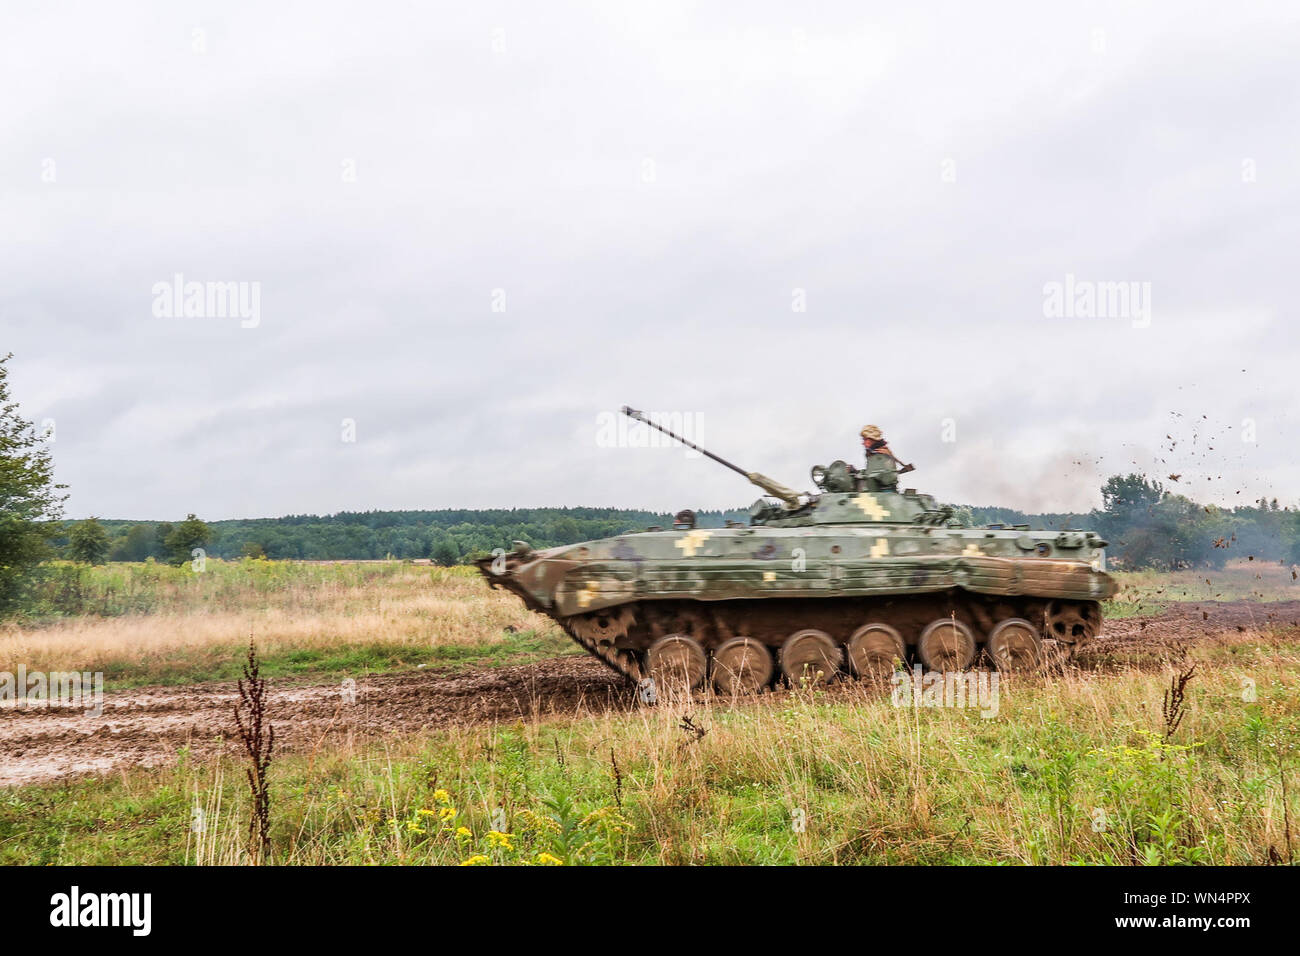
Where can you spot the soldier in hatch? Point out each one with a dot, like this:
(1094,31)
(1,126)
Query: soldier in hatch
(882,468)
(873,441)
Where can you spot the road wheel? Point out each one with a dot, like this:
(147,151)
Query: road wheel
(873,649)
(809,655)
(677,662)
(1015,645)
(946,645)
(1073,622)
(741,666)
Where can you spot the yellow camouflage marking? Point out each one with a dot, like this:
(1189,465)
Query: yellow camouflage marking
(881,548)
(692,541)
(973,551)
(872,508)
(586,594)
(769,575)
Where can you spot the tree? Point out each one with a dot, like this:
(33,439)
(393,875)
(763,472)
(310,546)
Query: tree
(1122,494)
(30,501)
(1128,519)
(446,553)
(88,542)
(1165,536)
(1149,527)
(565,530)
(161,531)
(184,538)
(136,546)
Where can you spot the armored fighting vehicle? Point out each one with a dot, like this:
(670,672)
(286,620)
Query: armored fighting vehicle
(853,579)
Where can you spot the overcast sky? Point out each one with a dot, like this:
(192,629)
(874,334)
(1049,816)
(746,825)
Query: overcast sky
(477,228)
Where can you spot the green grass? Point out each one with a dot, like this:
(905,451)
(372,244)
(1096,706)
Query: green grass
(321,664)
(109,590)
(1074,769)
(872,782)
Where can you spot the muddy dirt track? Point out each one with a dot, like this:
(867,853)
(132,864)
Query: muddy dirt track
(146,727)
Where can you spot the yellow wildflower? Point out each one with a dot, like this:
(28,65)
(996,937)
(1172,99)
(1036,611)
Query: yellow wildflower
(476,860)
(545,859)
(537,824)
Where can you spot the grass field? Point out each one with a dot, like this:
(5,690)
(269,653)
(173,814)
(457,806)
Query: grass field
(156,624)
(1149,592)
(1080,767)
(1073,769)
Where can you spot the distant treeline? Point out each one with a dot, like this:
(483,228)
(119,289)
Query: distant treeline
(1146,525)
(1149,526)
(447,537)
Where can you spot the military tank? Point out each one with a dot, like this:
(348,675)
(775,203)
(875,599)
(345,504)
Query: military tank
(852,579)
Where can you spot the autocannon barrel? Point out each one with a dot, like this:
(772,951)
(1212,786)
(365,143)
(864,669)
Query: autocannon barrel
(771,487)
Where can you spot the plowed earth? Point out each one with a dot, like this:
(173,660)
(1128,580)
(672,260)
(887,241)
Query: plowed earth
(146,727)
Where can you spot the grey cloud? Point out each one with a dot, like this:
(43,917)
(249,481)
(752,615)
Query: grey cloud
(789,151)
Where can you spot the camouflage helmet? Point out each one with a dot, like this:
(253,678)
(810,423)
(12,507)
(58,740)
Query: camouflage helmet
(872,433)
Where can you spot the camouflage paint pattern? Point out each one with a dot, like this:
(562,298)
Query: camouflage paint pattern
(848,544)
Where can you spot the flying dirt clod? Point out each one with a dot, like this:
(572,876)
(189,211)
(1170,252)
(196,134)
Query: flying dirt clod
(857,577)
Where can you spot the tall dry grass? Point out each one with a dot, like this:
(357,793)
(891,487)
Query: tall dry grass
(176,624)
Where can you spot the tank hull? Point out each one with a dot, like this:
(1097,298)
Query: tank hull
(620,597)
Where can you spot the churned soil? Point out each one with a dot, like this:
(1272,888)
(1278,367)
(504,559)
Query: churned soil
(146,727)
(1188,623)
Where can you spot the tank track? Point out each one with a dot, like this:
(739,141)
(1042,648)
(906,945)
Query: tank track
(595,633)
(620,661)
(619,637)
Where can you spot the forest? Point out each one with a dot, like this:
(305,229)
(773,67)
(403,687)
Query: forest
(1147,525)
